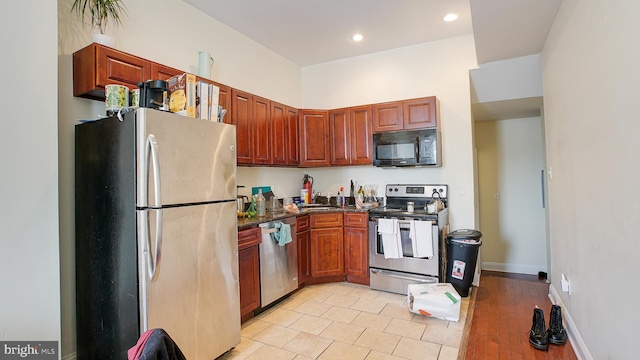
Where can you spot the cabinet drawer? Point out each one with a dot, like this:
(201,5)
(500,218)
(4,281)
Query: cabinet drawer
(326,220)
(302,223)
(248,238)
(355,219)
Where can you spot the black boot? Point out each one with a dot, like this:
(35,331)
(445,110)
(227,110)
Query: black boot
(538,333)
(557,334)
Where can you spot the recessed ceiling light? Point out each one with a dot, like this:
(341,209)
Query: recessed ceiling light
(450,17)
(357,37)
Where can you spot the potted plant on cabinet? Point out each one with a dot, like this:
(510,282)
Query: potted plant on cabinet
(101,12)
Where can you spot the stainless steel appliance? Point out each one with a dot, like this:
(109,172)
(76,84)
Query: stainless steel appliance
(407,148)
(156,234)
(278,264)
(394,274)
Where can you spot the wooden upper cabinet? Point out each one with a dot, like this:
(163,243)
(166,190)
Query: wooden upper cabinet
(261,129)
(351,136)
(279,137)
(241,115)
(224,100)
(161,72)
(314,137)
(293,138)
(340,139)
(409,114)
(420,113)
(268,133)
(387,116)
(96,66)
(361,135)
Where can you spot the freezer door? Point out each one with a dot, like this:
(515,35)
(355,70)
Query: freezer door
(195,160)
(195,295)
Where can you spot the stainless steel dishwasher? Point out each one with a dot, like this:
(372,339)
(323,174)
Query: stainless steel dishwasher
(278,264)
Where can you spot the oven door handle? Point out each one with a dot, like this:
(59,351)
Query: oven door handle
(389,274)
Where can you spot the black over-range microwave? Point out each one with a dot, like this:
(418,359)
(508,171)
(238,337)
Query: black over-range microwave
(407,148)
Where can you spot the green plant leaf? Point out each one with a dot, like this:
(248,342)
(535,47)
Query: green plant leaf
(101,12)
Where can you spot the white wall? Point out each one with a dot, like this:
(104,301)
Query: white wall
(146,32)
(512,219)
(590,76)
(439,68)
(517,78)
(29,262)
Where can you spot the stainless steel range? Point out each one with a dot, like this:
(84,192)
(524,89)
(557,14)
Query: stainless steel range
(416,251)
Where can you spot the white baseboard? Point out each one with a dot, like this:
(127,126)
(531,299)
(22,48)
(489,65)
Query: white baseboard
(578,344)
(512,268)
(72,356)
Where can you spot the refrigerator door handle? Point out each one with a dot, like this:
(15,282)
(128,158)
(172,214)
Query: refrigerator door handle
(151,151)
(153,262)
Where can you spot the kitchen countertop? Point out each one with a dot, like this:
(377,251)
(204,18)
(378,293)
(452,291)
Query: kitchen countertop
(247,223)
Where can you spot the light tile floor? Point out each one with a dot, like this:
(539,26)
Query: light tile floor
(348,321)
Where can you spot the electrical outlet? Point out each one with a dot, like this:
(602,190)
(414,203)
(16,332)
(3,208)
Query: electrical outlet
(496,196)
(566,284)
(550,173)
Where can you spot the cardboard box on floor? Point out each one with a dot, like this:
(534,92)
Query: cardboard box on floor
(435,300)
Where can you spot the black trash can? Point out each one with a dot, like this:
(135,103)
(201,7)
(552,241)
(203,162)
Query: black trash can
(462,253)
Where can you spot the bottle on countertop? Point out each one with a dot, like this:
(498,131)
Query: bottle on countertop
(260,203)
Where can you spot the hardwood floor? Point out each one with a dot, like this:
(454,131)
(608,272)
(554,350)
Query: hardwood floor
(502,318)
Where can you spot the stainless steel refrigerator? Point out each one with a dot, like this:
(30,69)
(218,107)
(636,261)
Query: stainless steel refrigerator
(156,234)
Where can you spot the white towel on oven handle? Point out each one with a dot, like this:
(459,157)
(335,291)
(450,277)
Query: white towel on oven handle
(421,238)
(389,231)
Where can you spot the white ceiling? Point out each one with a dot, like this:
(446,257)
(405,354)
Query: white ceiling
(309,32)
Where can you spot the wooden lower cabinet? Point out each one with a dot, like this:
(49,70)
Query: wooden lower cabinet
(327,252)
(249,271)
(356,244)
(327,246)
(355,240)
(356,258)
(249,276)
(304,256)
(339,247)
(303,235)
